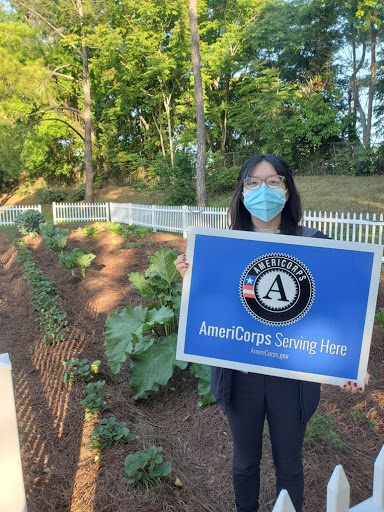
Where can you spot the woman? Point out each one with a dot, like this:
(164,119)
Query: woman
(266,200)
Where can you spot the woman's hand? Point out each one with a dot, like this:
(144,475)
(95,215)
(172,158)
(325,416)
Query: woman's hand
(352,386)
(181,264)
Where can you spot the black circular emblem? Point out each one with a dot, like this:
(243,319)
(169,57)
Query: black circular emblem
(277,289)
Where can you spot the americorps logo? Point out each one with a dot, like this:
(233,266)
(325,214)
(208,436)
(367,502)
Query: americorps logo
(277,289)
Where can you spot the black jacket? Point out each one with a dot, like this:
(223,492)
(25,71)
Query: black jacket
(309,392)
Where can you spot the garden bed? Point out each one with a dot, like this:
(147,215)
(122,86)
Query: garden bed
(60,471)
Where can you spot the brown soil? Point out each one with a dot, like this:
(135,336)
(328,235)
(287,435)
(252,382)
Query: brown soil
(59,470)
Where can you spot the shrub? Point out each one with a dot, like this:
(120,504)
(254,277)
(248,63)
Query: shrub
(222,180)
(78,194)
(47,196)
(27,223)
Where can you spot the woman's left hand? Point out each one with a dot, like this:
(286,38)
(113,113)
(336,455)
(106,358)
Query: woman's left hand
(352,386)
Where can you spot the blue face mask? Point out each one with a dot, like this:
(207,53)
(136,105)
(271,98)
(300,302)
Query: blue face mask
(264,203)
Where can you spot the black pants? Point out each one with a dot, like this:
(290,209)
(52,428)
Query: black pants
(253,397)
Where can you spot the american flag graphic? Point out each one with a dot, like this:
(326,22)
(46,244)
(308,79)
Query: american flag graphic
(248,287)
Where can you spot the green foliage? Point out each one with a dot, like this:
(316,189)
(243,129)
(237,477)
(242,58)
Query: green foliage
(222,179)
(179,179)
(203,374)
(146,468)
(320,432)
(379,318)
(115,228)
(80,370)
(45,302)
(55,238)
(109,432)
(93,402)
(92,231)
(134,232)
(148,334)
(27,223)
(75,260)
(47,196)
(160,283)
(78,194)
(359,415)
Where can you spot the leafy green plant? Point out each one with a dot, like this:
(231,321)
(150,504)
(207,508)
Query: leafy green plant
(47,196)
(134,232)
(379,318)
(109,432)
(80,370)
(55,238)
(146,468)
(75,260)
(91,230)
(115,228)
(148,334)
(94,401)
(45,301)
(320,431)
(27,223)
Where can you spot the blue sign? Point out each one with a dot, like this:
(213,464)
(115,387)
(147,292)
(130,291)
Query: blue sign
(293,307)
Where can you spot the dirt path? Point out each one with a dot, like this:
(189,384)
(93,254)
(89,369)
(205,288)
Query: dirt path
(59,470)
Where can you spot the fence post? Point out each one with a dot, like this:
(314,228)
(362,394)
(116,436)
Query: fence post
(378,480)
(338,491)
(12,494)
(130,216)
(283,503)
(54,213)
(153,217)
(184,221)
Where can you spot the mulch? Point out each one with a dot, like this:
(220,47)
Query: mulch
(60,471)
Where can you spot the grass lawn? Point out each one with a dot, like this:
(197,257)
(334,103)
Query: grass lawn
(319,193)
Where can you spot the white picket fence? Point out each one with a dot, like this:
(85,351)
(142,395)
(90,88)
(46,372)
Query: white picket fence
(349,227)
(338,492)
(80,212)
(8,214)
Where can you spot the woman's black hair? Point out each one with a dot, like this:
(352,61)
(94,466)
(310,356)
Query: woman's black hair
(239,216)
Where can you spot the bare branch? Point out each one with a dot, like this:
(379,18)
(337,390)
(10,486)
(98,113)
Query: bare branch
(68,77)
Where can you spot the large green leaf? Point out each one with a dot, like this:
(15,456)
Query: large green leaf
(154,367)
(124,328)
(143,285)
(161,264)
(203,374)
(120,331)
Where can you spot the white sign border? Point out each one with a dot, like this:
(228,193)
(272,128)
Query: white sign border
(377,252)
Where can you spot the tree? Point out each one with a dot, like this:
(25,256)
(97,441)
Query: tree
(200,158)
(54,18)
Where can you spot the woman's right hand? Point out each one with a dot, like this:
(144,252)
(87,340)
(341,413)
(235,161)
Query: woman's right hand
(181,264)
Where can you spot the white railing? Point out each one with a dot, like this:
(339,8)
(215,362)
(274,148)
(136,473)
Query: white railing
(169,218)
(80,212)
(349,227)
(8,214)
(338,492)
(12,494)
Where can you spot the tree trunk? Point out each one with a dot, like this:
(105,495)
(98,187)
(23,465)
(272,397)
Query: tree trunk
(371,90)
(87,130)
(87,114)
(201,151)
(167,105)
